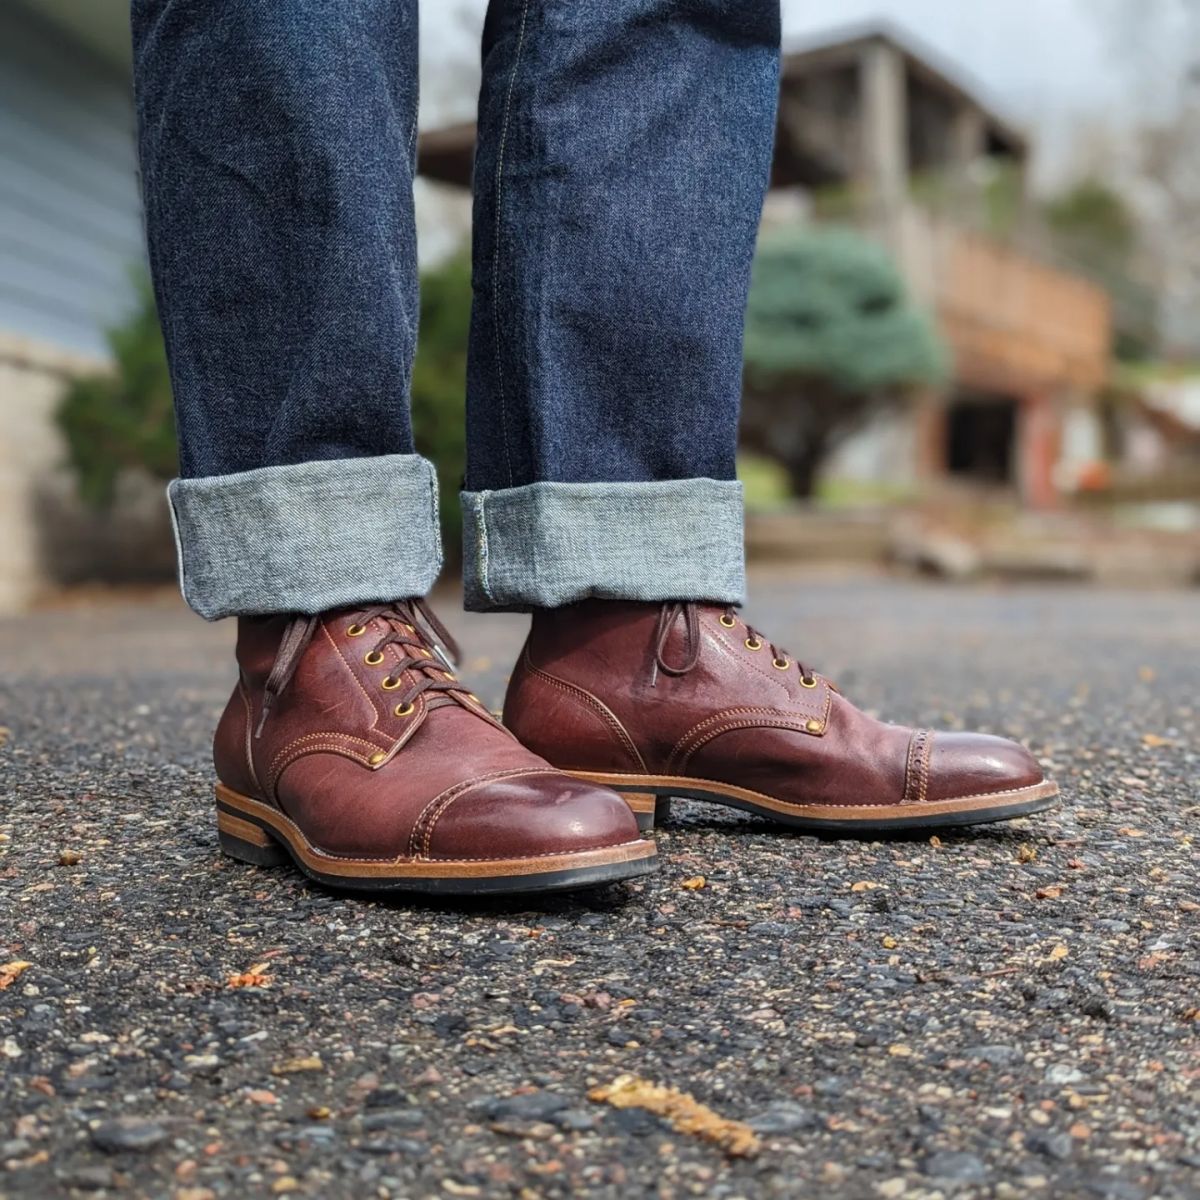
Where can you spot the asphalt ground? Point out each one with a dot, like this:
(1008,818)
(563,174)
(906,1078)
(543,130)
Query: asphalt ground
(1007,1011)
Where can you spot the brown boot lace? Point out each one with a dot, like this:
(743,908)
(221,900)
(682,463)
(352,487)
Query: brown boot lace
(412,626)
(672,610)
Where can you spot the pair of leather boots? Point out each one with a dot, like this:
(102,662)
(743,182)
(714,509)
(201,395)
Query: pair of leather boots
(351,747)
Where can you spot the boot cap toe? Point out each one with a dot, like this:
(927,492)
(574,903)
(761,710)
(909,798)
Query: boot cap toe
(976,764)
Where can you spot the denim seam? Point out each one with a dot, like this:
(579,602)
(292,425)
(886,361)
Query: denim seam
(482,538)
(512,79)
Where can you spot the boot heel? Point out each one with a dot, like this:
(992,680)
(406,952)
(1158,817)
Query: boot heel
(248,843)
(646,807)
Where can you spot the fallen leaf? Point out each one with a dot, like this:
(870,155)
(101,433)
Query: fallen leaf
(1060,951)
(1153,740)
(255,977)
(1050,892)
(935,842)
(694,884)
(294,1066)
(1026,853)
(900,1050)
(865,885)
(1129,831)
(685,1113)
(889,942)
(11,972)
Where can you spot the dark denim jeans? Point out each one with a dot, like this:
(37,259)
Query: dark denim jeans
(624,148)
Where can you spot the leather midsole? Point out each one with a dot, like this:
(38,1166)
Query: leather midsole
(819,812)
(234,811)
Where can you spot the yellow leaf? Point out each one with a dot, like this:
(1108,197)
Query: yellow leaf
(684,1112)
(1059,951)
(694,884)
(1154,740)
(865,885)
(294,1066)
(1026,853)
(889,942)
(12,971)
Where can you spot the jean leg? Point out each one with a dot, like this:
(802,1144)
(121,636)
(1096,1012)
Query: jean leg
(277,150)
(624,151)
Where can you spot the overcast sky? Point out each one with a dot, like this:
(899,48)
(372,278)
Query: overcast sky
(1044,63)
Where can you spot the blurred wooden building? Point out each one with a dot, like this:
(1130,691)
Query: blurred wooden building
(875,133)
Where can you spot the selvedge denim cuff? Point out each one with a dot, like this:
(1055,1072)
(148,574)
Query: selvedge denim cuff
(308,537)
(549,544)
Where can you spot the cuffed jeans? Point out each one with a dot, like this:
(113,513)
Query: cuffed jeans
(623,151)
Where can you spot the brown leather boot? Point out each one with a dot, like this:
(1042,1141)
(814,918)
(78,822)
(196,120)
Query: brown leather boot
(350,748)
(684,699)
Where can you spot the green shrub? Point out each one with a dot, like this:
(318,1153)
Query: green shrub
(120,419)
(831,337)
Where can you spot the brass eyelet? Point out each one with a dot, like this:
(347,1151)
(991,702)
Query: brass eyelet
(356,630)
(727,620)
(753,644)
(373,658)
(809,682)
(780,664)
(389,684)
(377,758)
(404,710)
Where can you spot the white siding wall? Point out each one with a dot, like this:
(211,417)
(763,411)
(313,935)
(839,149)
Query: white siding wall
(70,224)
(70,234)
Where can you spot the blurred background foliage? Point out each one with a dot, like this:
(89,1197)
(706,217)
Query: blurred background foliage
(439,387)
(831,338)
(122,419)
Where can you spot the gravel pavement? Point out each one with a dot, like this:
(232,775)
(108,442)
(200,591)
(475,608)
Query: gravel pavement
(1003,1012)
